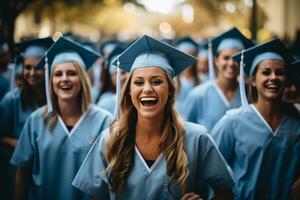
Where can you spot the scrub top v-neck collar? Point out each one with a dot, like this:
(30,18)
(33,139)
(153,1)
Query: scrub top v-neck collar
(222,96)
(69,133)
(149,169)
(274,133)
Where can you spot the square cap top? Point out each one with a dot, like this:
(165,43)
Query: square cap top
(147,52)
(186,44)
(65,50)
(271,50)
(231,39)
(34,47)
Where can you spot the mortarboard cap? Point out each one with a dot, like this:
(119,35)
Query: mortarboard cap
(112,56)
(231,39)
(65,50)
(34,47)
(147,51)
(62,51)
(108,46)
(271,50)
(250,58)
(187,44)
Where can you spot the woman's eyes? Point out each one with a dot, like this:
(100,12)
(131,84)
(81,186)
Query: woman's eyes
(138,82)
(157,82)
(153,82)
(68,73)
(266,72)
(28,67)
(279,72)
(71,73)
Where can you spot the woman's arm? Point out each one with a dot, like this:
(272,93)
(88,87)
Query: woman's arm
(22,183)
(12,142)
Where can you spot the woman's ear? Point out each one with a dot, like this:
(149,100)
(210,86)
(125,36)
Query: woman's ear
(252,82)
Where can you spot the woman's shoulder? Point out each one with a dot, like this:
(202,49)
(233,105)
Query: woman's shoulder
(193,130)
(202,89)
(38,113)
(14,94)
(96,110)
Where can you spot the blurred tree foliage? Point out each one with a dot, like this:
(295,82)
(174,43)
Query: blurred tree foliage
(11,9)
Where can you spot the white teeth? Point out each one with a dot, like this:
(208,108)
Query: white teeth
(272,86)
(65,87)
(148,99)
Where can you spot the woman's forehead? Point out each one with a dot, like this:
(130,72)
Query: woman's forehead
(148,72)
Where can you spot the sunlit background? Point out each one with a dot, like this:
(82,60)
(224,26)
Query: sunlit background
(97,19)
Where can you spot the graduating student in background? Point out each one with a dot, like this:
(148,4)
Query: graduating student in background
(4,60)
(188,79)
(18,104)
(202,64)
(149,152)
(208,102)
(107,99)
(261,141)
(57,137)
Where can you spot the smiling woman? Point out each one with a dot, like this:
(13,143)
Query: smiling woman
(149,146)
(262,144)
(55,142)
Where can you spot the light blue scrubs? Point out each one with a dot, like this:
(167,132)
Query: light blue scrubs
(263,161)
(186,86)
(105,95)
(55,157)
(4,86)
(108,103)
(205,165)
(12,114)
(206,104)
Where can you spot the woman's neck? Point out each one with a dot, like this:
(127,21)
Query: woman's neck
(70,111)
(226,85)
(149,127)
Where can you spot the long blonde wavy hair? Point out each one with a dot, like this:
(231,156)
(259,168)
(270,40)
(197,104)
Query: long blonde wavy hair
(120,146)
(84,95)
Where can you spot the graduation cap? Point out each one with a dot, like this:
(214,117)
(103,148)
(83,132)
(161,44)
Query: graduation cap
(65,50)
(112,56)
(271,50)
(62,51)
(231,39)
(34,47)
(187,44)
(250,58)
(108,46)
(148,52)
(203,48)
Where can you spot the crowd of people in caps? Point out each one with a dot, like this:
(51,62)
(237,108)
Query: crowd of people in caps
(150,119)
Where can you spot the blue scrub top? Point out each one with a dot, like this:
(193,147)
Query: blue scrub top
(4,86)
(206,165)
(55,157)
(186,86)
(108,103)
(12,114)
(206,104)
(264,162)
